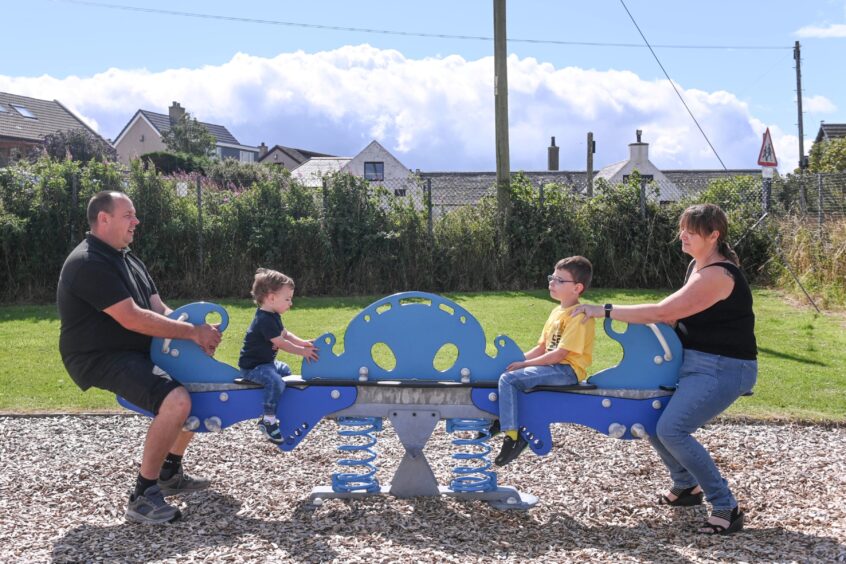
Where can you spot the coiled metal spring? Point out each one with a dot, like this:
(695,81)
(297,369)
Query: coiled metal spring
(479,477)
(364,428)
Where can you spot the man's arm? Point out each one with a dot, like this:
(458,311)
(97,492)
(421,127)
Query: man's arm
(159,306)
(151,323)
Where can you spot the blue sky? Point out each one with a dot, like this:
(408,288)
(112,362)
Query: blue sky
(430,100)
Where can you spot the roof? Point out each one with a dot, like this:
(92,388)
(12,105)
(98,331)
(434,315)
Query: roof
(830,131)
(311,171)
(297,155)
(161,123)
(50,117)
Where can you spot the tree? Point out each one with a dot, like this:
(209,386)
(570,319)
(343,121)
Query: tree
(189,136)
(78,145)
(828,156)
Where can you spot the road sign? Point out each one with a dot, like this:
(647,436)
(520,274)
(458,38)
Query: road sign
(767,156)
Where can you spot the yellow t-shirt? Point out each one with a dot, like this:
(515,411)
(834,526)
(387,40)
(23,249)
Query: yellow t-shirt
(569,333)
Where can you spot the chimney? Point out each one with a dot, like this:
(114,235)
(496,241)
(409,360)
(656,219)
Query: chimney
(639,151)
(552,156)
(262,150)
(176,113)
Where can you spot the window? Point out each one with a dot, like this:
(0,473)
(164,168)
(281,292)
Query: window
(23,111)
(374,171)
(3,109)
(399,192)
(247,156)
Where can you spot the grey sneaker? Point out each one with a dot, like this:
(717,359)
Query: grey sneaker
(181,483)
(150,508)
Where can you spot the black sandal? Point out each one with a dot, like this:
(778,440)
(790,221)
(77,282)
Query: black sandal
(735,525)
(685,498)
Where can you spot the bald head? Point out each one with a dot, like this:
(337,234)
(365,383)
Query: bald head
(112,219)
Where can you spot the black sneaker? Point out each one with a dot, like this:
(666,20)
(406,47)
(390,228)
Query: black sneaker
(150,508)
(182,483)
(271,431)
(511,449)
(493,430)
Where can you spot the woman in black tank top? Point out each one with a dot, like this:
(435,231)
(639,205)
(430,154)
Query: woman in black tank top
(713,316)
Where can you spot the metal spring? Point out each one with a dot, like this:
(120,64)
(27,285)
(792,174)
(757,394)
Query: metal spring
(344,482)
(478,478)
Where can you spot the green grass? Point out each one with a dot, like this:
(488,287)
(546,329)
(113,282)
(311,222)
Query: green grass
(802,357)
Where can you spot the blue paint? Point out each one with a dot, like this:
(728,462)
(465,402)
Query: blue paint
(415,326)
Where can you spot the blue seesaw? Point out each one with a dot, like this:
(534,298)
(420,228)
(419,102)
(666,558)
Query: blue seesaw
(359,393)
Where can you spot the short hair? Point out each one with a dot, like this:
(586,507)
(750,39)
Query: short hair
(102,202)
(268,281)
(704,219)
(579,268)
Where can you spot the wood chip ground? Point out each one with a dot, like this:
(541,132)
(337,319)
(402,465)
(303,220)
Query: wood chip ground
(65,481)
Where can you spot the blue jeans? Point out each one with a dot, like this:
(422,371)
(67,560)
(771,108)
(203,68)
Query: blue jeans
(525,378)
(270,376)
(708,384)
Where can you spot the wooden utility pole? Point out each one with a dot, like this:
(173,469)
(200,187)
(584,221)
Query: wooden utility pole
(590,151)
(503,166)
(797,56)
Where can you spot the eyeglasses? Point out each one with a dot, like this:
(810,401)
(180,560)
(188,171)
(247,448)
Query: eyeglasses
(557,280)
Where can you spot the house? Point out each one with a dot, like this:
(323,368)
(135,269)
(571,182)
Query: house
(373,163)
(287,157)
(25,121)
(829,131)
(143,134)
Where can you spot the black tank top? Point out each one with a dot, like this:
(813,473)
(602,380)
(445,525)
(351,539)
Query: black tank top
(727,328)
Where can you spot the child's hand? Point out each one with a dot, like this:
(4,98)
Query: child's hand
(309,351)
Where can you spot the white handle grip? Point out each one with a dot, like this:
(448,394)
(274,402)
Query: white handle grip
(166,342)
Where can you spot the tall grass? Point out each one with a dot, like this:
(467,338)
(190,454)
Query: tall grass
(818,254)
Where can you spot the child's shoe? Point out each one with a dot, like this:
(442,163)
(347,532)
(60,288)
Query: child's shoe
(271,431)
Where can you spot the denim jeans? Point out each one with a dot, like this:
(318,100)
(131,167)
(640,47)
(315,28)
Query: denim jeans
(525,378)
(270,376)
(708,384)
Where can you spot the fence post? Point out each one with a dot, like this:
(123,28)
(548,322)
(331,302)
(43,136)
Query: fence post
(820,216)
(803,205)
(643,198)
(73,207)
(429,206)
(200,225)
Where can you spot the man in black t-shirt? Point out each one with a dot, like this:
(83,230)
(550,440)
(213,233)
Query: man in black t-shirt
(110,309)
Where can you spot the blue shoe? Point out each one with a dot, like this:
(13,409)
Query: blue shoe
(271,431)
(150,508)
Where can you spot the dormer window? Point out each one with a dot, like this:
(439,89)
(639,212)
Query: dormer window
(24,111)
(3,108)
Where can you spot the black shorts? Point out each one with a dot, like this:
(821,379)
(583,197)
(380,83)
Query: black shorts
(130,375)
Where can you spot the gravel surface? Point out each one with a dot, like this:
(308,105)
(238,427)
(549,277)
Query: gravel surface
(65,482)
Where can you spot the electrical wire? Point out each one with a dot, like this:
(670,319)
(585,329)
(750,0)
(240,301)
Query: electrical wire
(673,84)
(403,33)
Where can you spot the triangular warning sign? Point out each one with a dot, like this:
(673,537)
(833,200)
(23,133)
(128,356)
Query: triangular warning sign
(767,156)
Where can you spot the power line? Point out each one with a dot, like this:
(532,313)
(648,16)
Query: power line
(405,33)
(670,80)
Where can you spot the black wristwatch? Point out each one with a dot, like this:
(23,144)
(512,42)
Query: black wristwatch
(608,308)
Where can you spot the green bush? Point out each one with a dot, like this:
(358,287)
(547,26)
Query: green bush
(351,237)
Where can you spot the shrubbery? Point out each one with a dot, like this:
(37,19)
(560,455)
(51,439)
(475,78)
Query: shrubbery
(347,237)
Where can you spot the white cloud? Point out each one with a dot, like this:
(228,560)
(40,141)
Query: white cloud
(827,32)
(432,113)
(818,105)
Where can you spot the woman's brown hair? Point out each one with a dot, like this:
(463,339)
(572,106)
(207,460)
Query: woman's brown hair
(703,219)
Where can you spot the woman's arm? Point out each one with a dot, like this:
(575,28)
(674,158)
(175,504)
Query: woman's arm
(703,289)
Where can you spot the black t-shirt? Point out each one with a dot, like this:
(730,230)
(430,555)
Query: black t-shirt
(257,347)
(94,277)
(727,328)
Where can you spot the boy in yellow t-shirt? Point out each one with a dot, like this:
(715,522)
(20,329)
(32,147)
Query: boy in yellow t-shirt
(561,357)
